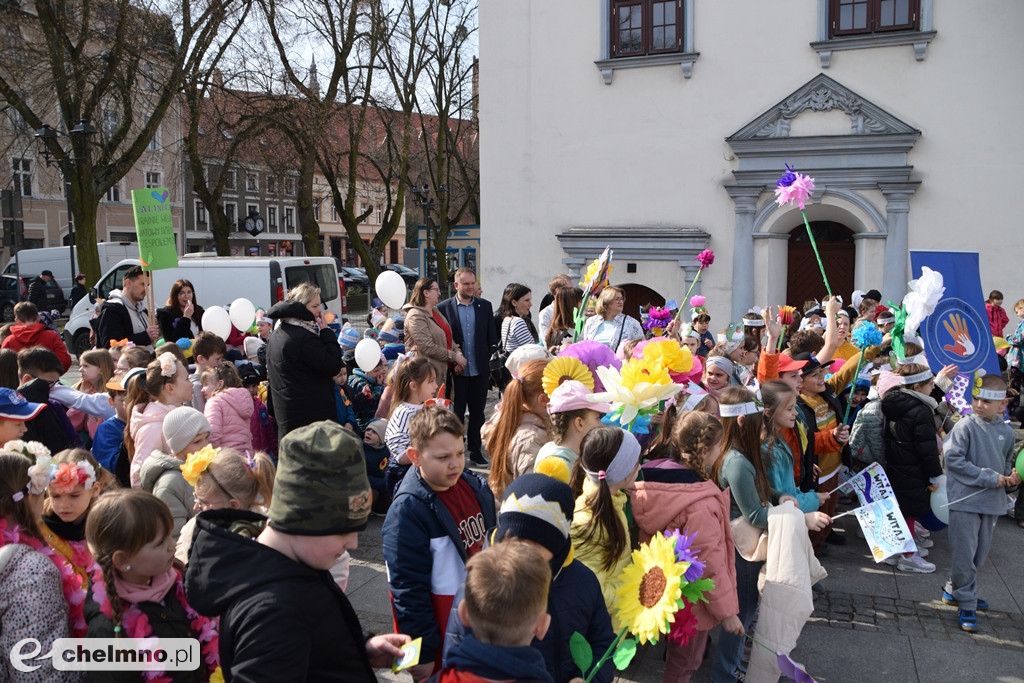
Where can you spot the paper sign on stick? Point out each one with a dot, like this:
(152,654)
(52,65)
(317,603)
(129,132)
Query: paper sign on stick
(884,528)
(871,484)
(155,228)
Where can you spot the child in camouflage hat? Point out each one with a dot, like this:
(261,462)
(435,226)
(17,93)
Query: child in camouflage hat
(284,616)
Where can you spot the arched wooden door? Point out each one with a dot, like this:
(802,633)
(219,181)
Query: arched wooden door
(637,296)
(835,243)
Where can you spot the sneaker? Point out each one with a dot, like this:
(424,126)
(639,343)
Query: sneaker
(835,539)
(923,552)
(968,620)
(947,598)
(915,564)
(920,531)
(923,542)
(892,560)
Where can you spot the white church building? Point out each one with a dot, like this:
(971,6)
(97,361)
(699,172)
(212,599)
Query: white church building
(661,127)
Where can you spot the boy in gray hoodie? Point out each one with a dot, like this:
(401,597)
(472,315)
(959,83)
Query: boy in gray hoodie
(979,466)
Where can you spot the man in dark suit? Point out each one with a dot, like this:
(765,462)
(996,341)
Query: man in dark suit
(472,323)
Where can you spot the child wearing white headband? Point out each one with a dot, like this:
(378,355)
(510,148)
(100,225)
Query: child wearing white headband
(608,464)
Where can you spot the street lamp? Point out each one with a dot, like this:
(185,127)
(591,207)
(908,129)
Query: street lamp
(426,202)
(77,136)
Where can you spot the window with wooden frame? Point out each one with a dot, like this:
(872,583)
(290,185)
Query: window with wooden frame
(859,17)
(646,27)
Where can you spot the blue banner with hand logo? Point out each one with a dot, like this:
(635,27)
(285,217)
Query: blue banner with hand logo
(957,332)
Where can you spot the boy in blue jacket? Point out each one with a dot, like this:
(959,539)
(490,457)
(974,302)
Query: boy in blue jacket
(506,606)
(979,457)
(437,521)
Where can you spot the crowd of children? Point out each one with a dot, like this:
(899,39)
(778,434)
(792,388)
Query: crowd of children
(184,517)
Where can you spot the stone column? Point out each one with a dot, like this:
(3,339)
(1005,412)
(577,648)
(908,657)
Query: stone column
(897,243)
(745,200)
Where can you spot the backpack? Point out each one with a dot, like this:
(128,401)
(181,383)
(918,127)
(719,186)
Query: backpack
(867,442)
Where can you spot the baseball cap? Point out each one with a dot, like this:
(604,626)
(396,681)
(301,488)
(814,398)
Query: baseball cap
(787,364)
(14,406)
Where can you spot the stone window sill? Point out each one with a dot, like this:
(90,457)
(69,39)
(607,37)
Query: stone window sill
(685,60)
(918,39)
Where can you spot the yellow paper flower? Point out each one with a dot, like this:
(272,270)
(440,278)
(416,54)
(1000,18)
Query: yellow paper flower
(196,463)
(217,676)
(650,587)
(637,371)
(670,355)
(589,280)
(565,368)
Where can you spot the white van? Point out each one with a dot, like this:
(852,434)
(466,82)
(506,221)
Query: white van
(218,281)
(28,263)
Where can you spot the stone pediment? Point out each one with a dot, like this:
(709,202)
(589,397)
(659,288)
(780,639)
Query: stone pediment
(821,94)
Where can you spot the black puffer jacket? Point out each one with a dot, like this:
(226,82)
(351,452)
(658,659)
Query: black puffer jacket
(911,448)
(301,366)
(279,620)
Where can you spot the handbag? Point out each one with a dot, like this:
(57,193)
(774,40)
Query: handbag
(751,543)
(500,375)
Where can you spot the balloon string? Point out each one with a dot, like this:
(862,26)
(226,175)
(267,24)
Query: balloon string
(814,245)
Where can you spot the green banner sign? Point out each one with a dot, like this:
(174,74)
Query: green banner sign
(155,228)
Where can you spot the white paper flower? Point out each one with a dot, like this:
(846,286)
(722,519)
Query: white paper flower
(643,396)
(924,295)
(31,449)
(39,475)
(168,364)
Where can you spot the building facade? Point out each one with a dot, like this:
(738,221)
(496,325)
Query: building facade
(661,128)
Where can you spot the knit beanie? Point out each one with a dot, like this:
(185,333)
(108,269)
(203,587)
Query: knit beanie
(388,336)
(349,337)
(181,426)
(538,508)
(321,487)
(379,425)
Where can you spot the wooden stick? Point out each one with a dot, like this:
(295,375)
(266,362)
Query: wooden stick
(150,298)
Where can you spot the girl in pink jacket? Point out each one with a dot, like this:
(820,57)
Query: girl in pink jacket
(150,395)
(675,493)
(228,408)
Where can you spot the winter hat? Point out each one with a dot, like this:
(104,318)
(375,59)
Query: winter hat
(348,337)
(378,425)
(370,333)
(377,318)
(321,487)
(388,336)
(538,508)
(181,426)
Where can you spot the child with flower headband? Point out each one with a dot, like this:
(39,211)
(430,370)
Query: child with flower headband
(675,494)
(38,584)
(224,478)
(228,407)
(149,399)
(76,480)
(608,465)
(136,589)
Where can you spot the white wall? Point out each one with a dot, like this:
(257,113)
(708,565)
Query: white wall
(560,148)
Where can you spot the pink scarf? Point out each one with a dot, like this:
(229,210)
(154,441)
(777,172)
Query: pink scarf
(137,593)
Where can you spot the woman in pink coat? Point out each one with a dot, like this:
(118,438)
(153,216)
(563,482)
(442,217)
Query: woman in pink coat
(228,408)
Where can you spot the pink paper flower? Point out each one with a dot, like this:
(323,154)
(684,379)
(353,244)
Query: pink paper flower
(707,257)
(697,300)
(793,187)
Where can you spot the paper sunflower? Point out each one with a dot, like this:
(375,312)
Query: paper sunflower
(197,462)
(565,368)
(647,599)
(637,371)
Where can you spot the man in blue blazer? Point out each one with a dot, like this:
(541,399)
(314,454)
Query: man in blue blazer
(472,321)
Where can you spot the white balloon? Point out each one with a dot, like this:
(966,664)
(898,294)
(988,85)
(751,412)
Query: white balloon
(242,313)
(939,500)
(217,321)
(390,289)
(367,354)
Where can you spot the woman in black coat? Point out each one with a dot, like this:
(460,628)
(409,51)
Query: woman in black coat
(911,440)
(182,316)
(303,357)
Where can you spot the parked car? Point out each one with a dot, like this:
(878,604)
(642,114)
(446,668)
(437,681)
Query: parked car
(408,274)
(354,277)
(10,294)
